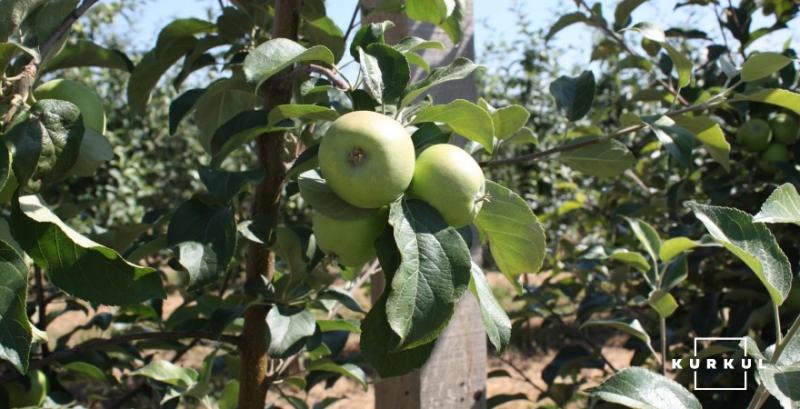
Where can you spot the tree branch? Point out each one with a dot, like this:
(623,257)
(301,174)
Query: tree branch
(621,41)
(254,383)
(352,23)
(330,74)
(22,87)
(620,132)
(121,339)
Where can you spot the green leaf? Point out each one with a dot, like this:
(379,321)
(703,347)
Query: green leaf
(782,383)
(460,68)
(177,37)
(13,13)
(6,171)
(509,120)
(145,77)
(289,247)
(752,242)
(565,21)
(780,97)
(411,44)
(378,341)
(369,34)
(373,80)
(181,106)
(463,117)
(622,13)
(433,273)
(650,241)
(574,94)
(206,234)
(241,129)
(663,303)
(315,190)
(288,330)
(709,133)
(226,185)
(220,103)
(763,65)
(516,238)
(301,111)
(342,297)
(9,50)
(169,373)
(351,371)
(428,134)
(606,159)
(85,53)
(495,319)
(198,58)
(671,248)
(339,325)
(782,206)
(15,329)
(45,142)
(682,65)
(323,30)
(94,151)
(637,387)
(431,11)
(453,25)
(273,56)
(386,72)
(650,31)
(632,258)
(76,264)
(677,140)
(633,328)
(87,369)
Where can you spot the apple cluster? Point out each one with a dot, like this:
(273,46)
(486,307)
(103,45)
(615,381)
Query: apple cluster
(771,139)
(369,161)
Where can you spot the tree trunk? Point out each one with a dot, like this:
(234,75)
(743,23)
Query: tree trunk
(253,377)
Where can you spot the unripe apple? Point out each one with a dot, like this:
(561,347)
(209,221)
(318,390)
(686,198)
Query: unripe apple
(775,153)
(367,159)
(754,135)
(20,397)
(784,128)
(449,179)
(351,241)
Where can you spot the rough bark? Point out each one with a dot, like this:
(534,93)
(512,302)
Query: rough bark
(253,376)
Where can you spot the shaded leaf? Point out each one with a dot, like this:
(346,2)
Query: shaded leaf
(15,329)
(85,53)
(288,330)
(495,319)
(315,190)
(574,94)
(606,159)
(76,264)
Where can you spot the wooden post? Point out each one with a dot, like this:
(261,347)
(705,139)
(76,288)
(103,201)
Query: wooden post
(455,375)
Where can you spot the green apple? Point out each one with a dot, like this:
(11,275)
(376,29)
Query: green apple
(775,153)
(754,135)
(351,241)
(90,105)
(449,179)
(367,159)
(784,128)
(20,397)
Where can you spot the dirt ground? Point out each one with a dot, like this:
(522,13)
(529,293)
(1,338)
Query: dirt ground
(523,369)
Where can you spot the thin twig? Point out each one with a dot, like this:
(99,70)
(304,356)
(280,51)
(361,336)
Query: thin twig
(522,374)
(352,24)
(620,132)
(621,41)
(39,283)
(105,342)
(663,345)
